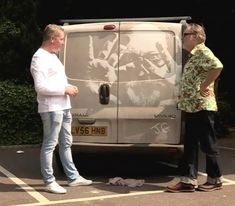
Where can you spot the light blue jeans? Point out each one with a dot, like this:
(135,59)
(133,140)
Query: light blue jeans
(57,130)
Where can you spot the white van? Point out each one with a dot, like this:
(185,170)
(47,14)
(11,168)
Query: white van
(127,72)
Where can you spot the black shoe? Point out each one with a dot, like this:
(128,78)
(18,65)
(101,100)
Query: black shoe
(208,187)
(181,187)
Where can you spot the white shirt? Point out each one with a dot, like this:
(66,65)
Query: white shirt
(50,81)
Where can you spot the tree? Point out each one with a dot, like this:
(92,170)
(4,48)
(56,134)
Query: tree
(19,34)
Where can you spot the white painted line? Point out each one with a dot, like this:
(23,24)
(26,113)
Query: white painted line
(93,198)
(44,201)
(227,148)
(168,164)
(225,180)
(36,195)
(202,174)
(228,182)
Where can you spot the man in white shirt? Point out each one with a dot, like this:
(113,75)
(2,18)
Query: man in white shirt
(53,96)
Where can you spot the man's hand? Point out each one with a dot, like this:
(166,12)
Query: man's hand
(211,77)
(71,90)
(205,92)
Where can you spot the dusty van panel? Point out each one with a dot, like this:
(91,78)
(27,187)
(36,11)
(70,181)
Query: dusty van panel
(85,57)
(149,69)
(127,76)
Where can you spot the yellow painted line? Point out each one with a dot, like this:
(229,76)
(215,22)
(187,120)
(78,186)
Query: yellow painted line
(93,198)
(36,195)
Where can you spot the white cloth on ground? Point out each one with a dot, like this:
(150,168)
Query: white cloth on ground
(126,182)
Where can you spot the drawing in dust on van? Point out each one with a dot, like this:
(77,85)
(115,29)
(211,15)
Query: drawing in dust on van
(128,77)
(145,62)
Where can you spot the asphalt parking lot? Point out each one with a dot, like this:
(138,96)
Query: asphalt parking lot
(21,184)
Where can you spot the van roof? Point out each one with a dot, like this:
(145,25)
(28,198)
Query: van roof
(81,21)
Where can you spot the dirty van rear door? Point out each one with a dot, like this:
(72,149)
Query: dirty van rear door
(90,56)
(127,74)
(149,70)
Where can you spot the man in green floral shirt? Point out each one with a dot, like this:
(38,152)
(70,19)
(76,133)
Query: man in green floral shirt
(197,100)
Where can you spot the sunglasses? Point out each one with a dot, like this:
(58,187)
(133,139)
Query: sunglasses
(187,34)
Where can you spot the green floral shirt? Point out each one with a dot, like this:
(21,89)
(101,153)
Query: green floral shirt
(195,72)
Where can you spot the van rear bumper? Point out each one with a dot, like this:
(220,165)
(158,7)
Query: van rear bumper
(139,148)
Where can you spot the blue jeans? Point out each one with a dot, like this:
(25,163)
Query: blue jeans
(199,131)
(57,130)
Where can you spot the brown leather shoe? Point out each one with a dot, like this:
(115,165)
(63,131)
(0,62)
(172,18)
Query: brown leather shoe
(208,187)
(181,187)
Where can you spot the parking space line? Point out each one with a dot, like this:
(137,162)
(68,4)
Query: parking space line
(227,148)
(32,192)
(44,201)
(228,182)
(93,198)
(225,180)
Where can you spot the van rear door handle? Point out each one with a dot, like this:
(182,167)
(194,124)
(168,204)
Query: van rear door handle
(104,94)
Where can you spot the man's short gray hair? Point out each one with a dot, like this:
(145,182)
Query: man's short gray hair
(199,30)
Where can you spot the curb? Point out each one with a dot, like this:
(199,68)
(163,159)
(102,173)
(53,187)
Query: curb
(19,146)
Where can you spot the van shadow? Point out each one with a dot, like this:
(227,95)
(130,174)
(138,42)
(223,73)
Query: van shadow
(136,166)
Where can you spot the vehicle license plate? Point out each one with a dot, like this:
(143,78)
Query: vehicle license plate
(90,131)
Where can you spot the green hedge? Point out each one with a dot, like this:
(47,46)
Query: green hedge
(19,121)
